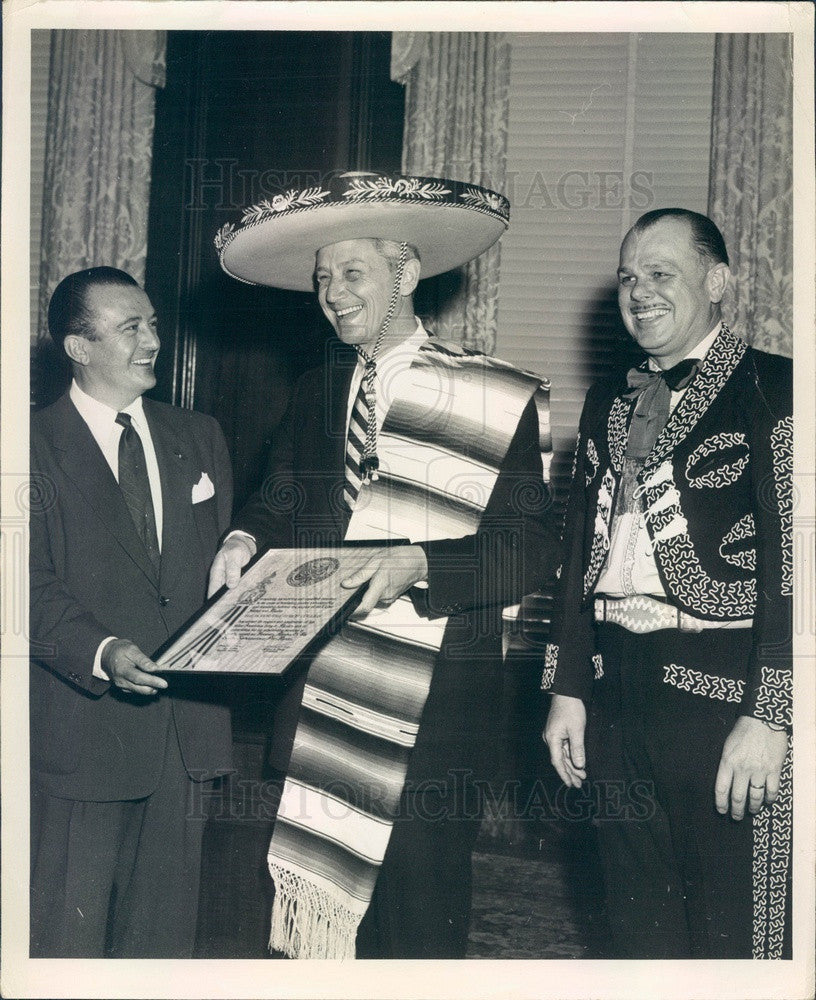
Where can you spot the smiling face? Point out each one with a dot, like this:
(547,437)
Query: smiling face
(116,365)
(354,286)
(668,293)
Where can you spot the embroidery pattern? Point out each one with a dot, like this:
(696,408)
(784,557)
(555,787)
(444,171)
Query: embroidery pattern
(745,558)
(724,356)
(365,189)
(616,432)
(663,513)
(637,613)
(773,827)
(575,457)
(550,663)
(696,682)
(597,662)
(484,199)
(600,540)
(282,202)
(221,236)
(688,583)
(774,695)
(659,520)
(592,461)
(723,475)
(782,450)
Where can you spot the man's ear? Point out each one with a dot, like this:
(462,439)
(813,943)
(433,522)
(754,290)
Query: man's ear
(76,348)
(410,276)
(717,281)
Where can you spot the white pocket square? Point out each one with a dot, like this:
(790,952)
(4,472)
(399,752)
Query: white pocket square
(203,489)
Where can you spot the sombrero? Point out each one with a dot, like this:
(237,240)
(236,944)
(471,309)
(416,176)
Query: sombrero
(449,222)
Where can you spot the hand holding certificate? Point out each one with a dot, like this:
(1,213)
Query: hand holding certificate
(282,602)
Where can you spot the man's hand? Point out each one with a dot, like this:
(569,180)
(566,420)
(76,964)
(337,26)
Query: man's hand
(564,735)
(389,573)
(230,559)
(129,668)
(750,766)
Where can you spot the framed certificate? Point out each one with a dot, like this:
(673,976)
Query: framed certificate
(285,601)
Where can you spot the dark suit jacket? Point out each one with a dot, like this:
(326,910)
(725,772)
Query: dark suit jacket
(90,577)
(470,579)
(716,491)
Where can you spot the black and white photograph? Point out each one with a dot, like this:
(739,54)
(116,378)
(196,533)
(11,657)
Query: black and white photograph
(408,500)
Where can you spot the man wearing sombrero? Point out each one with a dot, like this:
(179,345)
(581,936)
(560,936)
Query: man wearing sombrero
(397,437)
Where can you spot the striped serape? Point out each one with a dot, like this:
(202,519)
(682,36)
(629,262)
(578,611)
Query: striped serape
(441,446)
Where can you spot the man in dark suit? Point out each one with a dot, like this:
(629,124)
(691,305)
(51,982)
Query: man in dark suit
(355,458)
(673,614)
(138,495)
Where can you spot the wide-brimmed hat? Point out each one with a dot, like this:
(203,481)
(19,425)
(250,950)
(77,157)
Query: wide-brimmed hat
(449,222)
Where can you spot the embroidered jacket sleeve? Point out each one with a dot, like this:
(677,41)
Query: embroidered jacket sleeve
(769,418)
(568,659)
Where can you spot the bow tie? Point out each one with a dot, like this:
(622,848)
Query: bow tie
(650,389)
(676,378)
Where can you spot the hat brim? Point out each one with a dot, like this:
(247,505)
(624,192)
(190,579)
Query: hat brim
(279,251)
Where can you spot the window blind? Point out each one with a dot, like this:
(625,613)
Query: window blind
(602,128)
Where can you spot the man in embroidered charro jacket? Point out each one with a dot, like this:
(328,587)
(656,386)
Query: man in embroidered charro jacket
(673,614)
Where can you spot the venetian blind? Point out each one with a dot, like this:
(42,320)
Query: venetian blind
(40,63)
(602,128)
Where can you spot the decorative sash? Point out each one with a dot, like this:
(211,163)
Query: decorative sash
(442,443)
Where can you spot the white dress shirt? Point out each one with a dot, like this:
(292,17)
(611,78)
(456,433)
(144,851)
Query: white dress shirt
(630,566)
(101,421)
(390,366)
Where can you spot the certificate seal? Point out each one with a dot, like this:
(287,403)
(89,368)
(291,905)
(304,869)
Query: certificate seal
(313,571)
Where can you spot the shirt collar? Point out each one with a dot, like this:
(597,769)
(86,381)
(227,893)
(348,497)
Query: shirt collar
(699,351)
(408,346)
(98,414)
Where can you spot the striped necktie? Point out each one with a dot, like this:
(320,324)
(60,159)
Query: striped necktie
(355,445)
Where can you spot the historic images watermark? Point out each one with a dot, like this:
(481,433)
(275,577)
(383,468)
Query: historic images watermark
(457,797)
(222,184)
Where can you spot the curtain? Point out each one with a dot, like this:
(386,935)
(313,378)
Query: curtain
(750,185)
(456,107)
(99,140)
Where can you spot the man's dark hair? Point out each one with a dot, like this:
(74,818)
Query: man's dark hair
(68,312)
(706,237)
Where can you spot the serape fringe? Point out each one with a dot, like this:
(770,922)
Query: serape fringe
(308,922)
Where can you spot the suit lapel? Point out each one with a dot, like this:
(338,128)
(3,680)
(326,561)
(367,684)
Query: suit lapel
(723,357)
(84,464)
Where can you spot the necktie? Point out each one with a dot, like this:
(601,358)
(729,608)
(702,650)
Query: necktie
(652,390)
(355,445)
(135,486)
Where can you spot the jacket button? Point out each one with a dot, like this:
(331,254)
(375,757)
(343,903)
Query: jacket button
(164,601)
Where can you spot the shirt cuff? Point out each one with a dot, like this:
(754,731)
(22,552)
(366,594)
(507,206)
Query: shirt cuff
(97,663)
(237,533)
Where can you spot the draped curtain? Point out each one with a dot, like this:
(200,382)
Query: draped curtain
(750,185)
(99,139)
(456,107)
